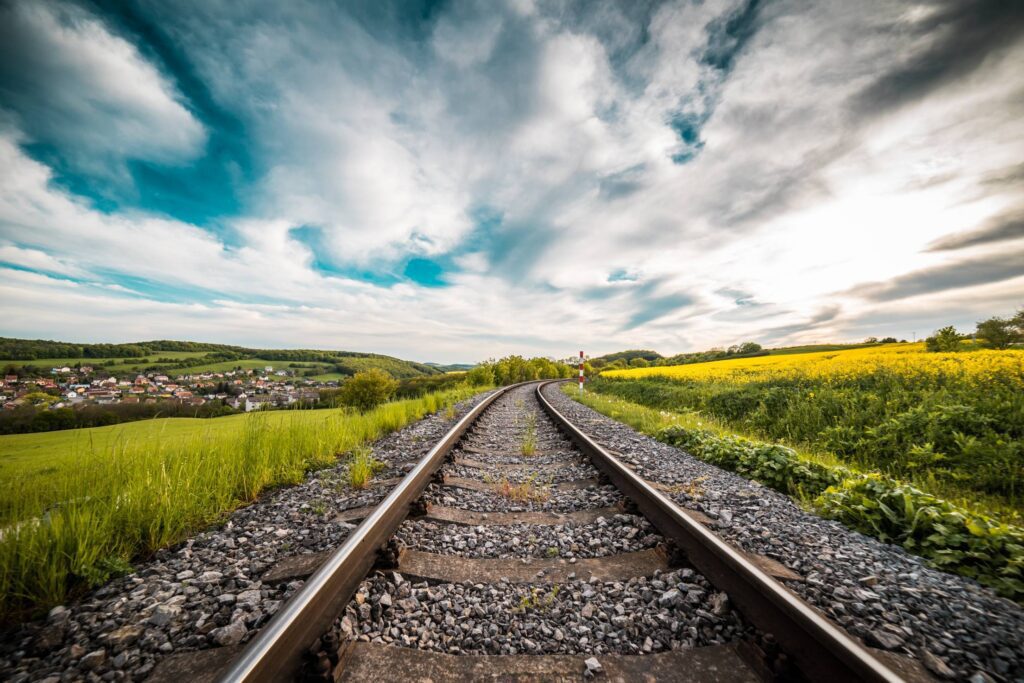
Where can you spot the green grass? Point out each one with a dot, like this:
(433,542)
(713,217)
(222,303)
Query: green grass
(245,364)
(651,420)
(362,466)
(958,537)
(77,506)
(328,377)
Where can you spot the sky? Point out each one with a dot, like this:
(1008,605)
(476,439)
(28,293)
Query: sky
(451,181)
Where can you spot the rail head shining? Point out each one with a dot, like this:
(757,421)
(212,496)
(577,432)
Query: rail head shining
(276,653)
(820,649)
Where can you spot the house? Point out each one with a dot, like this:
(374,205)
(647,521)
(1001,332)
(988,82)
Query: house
(257,402)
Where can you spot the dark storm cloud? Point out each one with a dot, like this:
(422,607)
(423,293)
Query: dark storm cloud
(967,273)
(1008,226)
(966,33)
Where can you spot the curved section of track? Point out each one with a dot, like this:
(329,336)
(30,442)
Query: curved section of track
(520,538)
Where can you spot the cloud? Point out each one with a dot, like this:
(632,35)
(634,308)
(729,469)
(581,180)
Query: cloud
(958,37)
(1001,228)
(674,175)
(968,272)
(87,92)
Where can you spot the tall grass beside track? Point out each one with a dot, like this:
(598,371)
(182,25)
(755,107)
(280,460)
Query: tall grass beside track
(78,516)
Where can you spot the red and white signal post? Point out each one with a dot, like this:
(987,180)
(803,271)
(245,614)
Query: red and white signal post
(581,372)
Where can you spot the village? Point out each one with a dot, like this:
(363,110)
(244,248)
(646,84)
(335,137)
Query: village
(243,390)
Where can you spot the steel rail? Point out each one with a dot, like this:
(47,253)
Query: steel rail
(277,652)
(821,650)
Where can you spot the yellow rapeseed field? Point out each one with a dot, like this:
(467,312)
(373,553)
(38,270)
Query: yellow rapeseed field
(907,362)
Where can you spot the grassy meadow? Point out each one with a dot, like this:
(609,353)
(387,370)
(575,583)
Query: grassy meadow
(951,423)
(76,507)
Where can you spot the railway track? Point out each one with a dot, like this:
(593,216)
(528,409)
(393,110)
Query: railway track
(518,548)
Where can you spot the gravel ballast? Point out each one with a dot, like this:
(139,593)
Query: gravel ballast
(205,592)
(606,536)
(580,615)
(893,600)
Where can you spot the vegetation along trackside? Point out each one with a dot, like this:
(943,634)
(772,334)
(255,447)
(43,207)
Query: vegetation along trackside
(949,536)
(78,506)
(949,422)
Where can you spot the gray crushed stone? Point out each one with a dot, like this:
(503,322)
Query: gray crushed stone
(877,591)
(205,592)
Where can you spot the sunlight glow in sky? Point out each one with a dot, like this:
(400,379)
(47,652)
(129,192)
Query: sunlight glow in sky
(449,181)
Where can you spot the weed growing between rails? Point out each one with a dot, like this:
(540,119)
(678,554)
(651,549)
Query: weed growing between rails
(63,529)
(528,446)
(528,491)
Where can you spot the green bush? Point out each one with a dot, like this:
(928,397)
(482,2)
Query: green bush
(949,537)
(368,389)
(773,465)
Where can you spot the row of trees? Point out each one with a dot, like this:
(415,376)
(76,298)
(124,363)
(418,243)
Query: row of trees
(369,388)
(994,333)
(31,349)
(512,369)
(643,359)
(34,416)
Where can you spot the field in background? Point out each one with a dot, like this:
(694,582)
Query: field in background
(76,507)
(952,423)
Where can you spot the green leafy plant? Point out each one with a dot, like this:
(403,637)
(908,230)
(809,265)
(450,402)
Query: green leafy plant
(368,389)
(949,537)
(537,600)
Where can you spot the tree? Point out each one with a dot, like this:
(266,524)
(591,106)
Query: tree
(945,340)
(481,375)
(997,333)
(368,389)
(638,363)
(871,340)
(1018,321)
(889,340)
(750,347)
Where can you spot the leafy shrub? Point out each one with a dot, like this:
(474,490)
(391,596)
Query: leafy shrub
(368,389)
(949,537)
(773,465)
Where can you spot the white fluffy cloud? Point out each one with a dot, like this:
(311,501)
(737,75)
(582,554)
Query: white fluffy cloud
(800,195)
(79,86)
